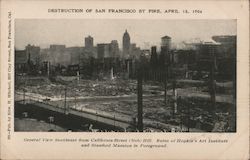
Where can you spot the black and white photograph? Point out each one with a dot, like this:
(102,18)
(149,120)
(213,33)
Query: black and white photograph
(125,75)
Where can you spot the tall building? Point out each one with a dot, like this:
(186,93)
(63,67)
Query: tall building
(154,57)
(103,50)
(21,59)
(56,47)
(135,51)
(208,50)
(33,53)
(89,42)
(89,48)
(58,55)
(126,44)
(114,49)
(228,45)
(165,50)
(75,54)
(166,42)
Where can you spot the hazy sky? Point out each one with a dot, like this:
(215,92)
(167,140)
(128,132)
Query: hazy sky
(71,32)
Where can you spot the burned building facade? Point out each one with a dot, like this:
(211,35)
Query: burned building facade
(27,60)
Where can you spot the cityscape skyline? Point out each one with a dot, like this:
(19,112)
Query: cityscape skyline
(71,33)
(186,89)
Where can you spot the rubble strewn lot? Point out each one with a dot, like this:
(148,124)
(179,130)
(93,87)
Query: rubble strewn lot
(82,88)
(118,98)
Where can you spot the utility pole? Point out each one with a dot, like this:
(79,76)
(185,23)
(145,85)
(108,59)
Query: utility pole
(174,97)
(96,114)
(233,111)
(166,73)
(180,110)
(65,100)
(23,96)
(75,101)
(139,100)
(128,68)
(48,68)
(189,115)
(165,86)
(212,79)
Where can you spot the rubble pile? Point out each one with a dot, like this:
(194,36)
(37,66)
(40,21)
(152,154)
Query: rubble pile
(105,97)
(82,88)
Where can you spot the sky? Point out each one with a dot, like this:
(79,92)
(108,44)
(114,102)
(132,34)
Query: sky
(145,33)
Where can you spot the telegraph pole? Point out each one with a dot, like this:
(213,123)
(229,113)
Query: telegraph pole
(23,96)
(233,111)
(174,97)
(165,85)
(189,115)
(48,68)
(75,101)
(166,73)
(65,100)
(212,79)
(139,100)
(180,109)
